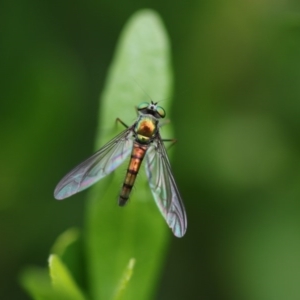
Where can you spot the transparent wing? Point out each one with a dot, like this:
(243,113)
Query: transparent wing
(164,189)
(103,162)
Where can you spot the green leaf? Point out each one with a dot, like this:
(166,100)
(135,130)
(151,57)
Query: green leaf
(65,241)
(141,67)
(125,280)
(68,246)
(62,280)
(36,282)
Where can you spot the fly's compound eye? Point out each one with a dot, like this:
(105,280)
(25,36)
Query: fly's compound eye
(143,105)
(161,111)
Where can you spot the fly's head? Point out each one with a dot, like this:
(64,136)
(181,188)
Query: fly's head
(151,109)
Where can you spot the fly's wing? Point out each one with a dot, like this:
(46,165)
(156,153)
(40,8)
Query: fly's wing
(102,163)
(164,189)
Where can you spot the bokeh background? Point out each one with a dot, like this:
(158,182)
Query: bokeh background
(236,116)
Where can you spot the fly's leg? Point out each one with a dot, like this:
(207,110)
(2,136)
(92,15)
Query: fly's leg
(170,140)
(173,141)
(119,120)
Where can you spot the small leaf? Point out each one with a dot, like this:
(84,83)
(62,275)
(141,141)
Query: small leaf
(68,246)
(125,279)
(37,283)
(62,280)
(64,241)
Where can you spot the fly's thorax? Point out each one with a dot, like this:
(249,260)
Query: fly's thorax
(146,128)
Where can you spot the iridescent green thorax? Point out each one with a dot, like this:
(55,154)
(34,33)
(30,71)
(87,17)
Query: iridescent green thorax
(146,128)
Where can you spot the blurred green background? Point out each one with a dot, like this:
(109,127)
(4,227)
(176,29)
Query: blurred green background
(236,117)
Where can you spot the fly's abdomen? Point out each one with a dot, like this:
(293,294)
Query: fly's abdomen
(137,155)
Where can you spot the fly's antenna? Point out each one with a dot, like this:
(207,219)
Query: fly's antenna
(163,100)
(142,89)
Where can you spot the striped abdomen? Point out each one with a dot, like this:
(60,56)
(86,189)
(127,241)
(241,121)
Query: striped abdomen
(137,155)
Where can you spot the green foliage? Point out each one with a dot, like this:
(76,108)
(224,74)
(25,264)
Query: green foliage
(62,280)
(125,280)
(236,113)
(133,238)
(37,283)
(115,235)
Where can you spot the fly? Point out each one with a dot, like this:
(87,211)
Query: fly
(143,141)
